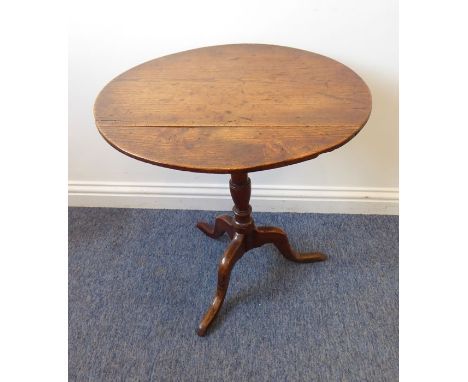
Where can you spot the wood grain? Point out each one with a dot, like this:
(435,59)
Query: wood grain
(233,108)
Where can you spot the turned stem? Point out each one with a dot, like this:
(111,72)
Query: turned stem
(240,188)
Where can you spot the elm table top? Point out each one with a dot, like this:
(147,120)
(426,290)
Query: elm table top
(233,108)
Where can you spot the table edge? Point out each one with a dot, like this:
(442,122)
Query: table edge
(261,167)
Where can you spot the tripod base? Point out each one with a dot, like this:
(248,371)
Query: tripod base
(244,237)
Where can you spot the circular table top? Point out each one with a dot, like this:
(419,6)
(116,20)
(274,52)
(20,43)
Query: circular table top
(233,108)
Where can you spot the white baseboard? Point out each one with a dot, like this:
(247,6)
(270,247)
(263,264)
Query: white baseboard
(215,197)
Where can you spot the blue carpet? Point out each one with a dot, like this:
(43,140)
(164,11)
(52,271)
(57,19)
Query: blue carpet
(140,281)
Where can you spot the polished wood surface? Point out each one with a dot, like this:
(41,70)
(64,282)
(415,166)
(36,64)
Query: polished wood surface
(233,108)
(244,237)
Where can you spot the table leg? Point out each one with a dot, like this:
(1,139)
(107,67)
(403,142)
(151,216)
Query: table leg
(223,224)
(234,252)
(276,236)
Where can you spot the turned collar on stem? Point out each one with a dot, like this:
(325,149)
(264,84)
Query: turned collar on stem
(240,191)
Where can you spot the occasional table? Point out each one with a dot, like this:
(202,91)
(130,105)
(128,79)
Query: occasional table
(234,109)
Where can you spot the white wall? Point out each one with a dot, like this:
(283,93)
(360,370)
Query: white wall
(107,38)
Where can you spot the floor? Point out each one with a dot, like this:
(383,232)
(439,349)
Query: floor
(140,280)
